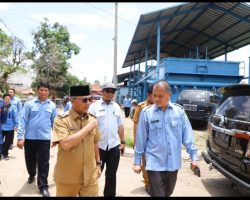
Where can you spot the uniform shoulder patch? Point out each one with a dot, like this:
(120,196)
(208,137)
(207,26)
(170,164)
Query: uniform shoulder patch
(91,114)
(147,107)
(141,103)
(64,114)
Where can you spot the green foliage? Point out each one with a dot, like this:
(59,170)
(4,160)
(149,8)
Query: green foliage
(73,81)
(129,142)
(50,54)
(12,58)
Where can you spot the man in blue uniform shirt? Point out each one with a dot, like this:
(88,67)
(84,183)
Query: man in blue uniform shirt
(34,134)
(3,117)
(162,129)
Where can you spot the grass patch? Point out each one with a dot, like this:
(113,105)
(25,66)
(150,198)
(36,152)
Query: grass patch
(129,142)
(129,138)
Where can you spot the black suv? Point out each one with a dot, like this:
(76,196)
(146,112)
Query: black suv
(228,146)
(197,103)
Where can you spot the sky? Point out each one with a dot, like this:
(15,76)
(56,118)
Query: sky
(91,27)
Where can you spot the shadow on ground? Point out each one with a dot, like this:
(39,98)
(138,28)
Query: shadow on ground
(30,190)
(215,187)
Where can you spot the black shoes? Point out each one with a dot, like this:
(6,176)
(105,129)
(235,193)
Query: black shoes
(45,192)
(6,157)
(148,190)
(31,179)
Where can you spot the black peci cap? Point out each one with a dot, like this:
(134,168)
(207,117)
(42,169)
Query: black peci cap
(79,90)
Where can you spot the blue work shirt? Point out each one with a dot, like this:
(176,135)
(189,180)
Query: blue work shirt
(160,135)
(12,119)
(68,106)
(3,113)
(109,118)
(36,120)
(15,101)
(2,116)
(127,103)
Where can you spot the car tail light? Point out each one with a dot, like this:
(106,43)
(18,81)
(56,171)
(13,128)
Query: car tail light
(241,135)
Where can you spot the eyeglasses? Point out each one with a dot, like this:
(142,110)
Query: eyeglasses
(110,91)
(84,100)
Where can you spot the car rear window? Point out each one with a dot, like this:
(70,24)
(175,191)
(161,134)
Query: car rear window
(236,107)
(193,96)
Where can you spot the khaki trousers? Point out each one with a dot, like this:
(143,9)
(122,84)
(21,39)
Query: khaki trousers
(73,190)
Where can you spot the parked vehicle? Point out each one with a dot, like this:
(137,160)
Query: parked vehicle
(197,103)
(228,143)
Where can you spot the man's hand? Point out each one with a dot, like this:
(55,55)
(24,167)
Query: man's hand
(99,171)
(194,167)
(137,169)
(54,144)
(122,148)
(20,144)
(91,125)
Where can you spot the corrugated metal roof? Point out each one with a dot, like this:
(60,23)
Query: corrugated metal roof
(185,27)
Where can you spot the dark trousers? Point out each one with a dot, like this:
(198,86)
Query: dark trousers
(8,137)
(162,183)
(37,153)
(127,111)
(111,158)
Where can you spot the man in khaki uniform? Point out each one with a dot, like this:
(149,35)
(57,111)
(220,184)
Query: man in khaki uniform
(135,119)
(78,163)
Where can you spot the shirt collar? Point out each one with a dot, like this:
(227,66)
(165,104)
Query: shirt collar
(103,102)
(170,105)
(46,101)
(75,115)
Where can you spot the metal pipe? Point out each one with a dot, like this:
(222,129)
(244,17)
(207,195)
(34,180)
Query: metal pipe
(198,84)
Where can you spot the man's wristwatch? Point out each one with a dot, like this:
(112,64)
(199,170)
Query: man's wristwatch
(123,142)
(99,162)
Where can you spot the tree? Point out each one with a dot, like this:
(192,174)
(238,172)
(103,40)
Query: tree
(50,54)
(73,81)
(12,58)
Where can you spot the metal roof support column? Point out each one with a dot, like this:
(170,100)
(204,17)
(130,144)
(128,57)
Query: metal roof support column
(206,52)
(138,78)
(129,82)
(225,52)
(197,52)
(158,48)
(134,81)
(138,74)
(146,74)
(249,70)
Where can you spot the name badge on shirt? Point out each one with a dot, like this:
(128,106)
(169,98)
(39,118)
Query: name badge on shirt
(155,121)
(102,110)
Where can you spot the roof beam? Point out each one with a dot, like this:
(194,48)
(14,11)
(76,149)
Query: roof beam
(201,31)
(236,15)
(222,48)
(193,20)
(175,14)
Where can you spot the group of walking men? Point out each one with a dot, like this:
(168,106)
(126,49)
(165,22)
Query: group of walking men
(90,136)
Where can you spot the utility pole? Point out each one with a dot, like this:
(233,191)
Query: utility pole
(115,51)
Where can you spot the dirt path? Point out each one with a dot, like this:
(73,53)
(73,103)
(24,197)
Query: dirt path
(13,177)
